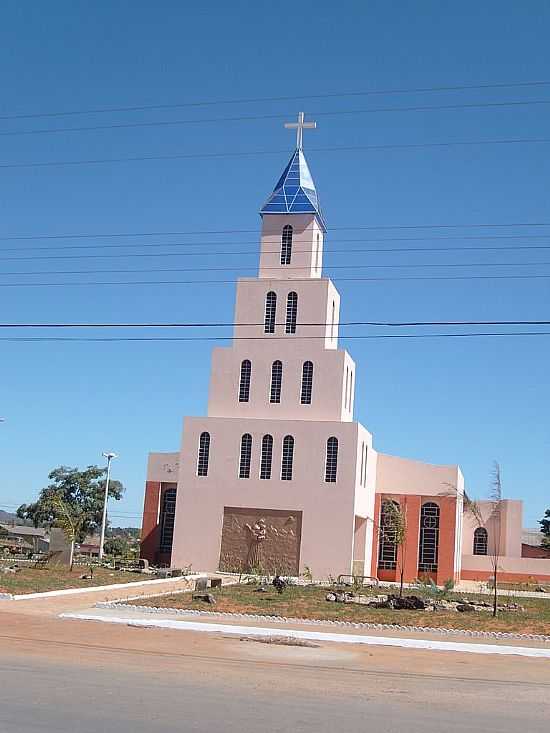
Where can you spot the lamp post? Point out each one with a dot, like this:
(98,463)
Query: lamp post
(109,457)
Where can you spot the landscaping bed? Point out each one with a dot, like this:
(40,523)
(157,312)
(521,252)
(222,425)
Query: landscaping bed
(38,580)
(310,602)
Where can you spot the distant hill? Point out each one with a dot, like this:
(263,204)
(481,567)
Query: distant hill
(6,517)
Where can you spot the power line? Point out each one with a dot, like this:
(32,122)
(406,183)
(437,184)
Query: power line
(461,225)
(279,269)
(255,118)
(232,282)
(256,243)
(260,100)
(221,324)
(331,252)
(252,153)
(70,339)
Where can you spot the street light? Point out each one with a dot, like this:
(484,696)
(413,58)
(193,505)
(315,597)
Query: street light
(109,457)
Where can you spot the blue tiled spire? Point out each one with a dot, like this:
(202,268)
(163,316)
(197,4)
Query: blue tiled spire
(294,192)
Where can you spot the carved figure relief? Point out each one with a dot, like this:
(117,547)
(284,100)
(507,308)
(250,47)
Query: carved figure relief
(261,540)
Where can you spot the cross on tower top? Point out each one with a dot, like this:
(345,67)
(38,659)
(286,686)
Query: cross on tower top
(299,127)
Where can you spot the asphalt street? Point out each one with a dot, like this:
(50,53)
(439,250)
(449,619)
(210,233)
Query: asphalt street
(80,677)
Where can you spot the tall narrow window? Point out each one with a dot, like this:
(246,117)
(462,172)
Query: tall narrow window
(246,453)
(167,519)
(317,253)
(244,384)
(362,463)
(350,398)
(291,312)
(204,454)
(276,381)
(346,389)
(365,450)
(286,245)
(307,383)
(429,537)
(387,546)
(270,310)
(288,458)
(331,464)
(480,541)
(332,320)
(267,455)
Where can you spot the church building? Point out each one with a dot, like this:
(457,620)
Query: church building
(278,477)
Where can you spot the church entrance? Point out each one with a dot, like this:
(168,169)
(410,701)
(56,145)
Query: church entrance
(261,541)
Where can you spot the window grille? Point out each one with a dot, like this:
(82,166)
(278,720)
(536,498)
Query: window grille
(267,455)
(291,312)
(167,520)
(331,464)
(480,541)
(307,383)
(270,311)
(429,537)
(288,458)
(286,245)
(387,546)
(204,454)
(246,453)
(276,381)
(244,384)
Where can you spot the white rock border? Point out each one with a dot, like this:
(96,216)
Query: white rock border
(319,622)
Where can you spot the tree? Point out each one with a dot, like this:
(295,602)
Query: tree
(116,546)
(70,522)
(495,520)
(393,529)
(545,529)
(73,497)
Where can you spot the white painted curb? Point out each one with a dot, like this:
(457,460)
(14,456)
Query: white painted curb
(316,635)
(93,589)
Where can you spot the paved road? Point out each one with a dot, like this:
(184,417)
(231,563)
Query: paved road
(85,678)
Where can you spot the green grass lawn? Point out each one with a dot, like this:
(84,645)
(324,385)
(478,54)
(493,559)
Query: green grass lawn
(309,602)
(35,580)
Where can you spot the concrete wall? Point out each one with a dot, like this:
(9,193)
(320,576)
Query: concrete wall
(162,471)
(504,529)
(307,236)
(480,567)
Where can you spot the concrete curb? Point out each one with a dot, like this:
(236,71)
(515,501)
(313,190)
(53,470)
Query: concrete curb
(319,622)
(93,589)
(339,638)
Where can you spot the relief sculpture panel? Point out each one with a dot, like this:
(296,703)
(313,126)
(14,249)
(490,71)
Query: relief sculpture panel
(261,540)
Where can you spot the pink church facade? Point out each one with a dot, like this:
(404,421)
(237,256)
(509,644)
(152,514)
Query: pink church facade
(278,476)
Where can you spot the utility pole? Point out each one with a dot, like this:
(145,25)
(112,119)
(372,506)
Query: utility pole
(109,457)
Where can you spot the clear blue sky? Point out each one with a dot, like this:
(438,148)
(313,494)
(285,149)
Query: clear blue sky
(445,401)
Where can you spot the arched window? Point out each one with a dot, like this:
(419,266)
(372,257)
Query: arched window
(317,253)
(331,464)
(365,451)
(291,312)
(276,381)
(429,537)
(307,383)
(286,245)
(267,455)
(288,458)
(270,310)
(346,389)
(167,519)
(480,541)
(387,546)
(246,453)
(204,454)
(244,384)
